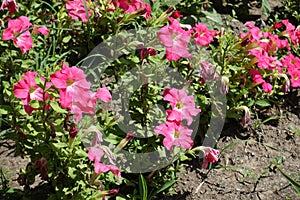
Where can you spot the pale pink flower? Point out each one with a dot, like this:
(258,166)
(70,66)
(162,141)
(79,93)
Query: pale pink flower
(203,35)
(76,10)
(28,90)
(11,5)
(175,135)
(183,106)
(175,39)
(17,31)
(210,156)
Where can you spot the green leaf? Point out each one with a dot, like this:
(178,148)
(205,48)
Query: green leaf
(71,171)
(56,107)
(143,188)
(67,39)
(263,103)
(294,183)
(164,187)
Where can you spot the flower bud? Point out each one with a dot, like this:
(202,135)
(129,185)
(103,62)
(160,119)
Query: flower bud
(73,131)
(247,116)
(224,85)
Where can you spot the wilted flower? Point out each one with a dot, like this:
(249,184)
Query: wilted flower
(11,5)
(224,85)
(247,116)
(210,155)
(209,71)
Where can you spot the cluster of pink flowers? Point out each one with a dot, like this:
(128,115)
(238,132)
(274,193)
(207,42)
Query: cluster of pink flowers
(175,38)
(262,46)
(76,10)
(183,108)
(18,31)
(74,89)
(131,6)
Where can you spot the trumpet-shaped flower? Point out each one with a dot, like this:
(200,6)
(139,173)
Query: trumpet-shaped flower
(11,5)
(175,39)
(175,135)
(257,78)
(76,10)
(28,90)
(130,6)
(17,31)
(183,106)
(203,36)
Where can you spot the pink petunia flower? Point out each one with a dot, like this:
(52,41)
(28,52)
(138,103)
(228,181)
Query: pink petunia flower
(76,10)
(95,154)
(17,31)
(203,36)
(183,106)
(75,92)
(257,78)
(130,6)
(210,156)
(103,94)
(253,34)
(43,30)
(11,5)
(28,90)
(175,135)
(175,39)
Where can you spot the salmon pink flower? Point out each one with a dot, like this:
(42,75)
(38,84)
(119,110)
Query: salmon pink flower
(175,135)
(175,39)
(210,156)
(17,31)
(95,154)
(43,30)
(203,36)
(76,10)
(103,94)
(11,5)
(183,106)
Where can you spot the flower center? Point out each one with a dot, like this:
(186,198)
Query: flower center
(32,89)
(69,82)
(176,134)
(178,105)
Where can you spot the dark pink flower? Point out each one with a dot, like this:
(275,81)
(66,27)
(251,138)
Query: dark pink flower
(28,90)
(210,156)
(175,39)
(17,31)
(183,106)
(76,10)
(131,6)
(257,78)
(176,14)
(11,5)
(175,135)
(203,36)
